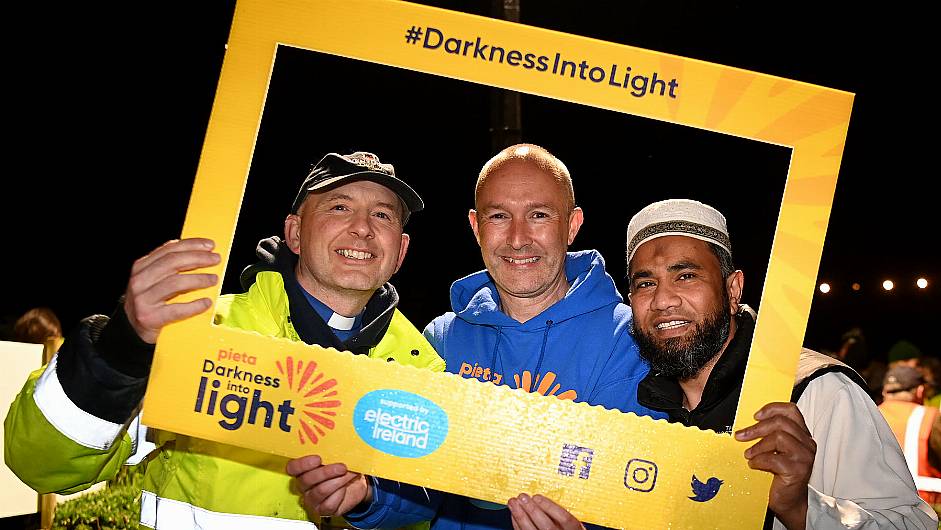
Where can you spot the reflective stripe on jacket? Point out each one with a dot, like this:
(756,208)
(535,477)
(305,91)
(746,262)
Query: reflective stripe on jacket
(912,425)
(53,445)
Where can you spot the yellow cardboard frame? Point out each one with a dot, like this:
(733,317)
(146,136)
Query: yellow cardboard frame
(633,478)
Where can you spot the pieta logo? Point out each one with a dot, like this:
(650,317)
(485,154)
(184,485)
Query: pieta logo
(233,388)
(317,396)
(400,423)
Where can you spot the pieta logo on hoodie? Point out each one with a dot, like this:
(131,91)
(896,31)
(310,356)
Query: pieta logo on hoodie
(400,423)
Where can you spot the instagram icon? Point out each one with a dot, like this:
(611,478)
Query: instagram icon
(640,475)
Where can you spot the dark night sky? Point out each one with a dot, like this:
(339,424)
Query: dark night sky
(107,116)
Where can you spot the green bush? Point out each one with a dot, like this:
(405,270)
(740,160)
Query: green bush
(116,507)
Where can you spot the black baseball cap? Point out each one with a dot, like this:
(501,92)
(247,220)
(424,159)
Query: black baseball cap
(335,170)
(901,377)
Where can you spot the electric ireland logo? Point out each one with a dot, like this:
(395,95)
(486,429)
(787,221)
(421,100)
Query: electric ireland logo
(400,423)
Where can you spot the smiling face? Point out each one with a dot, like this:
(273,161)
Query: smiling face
(349,241)
(682,305)
(524,223)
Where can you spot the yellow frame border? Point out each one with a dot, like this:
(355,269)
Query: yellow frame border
(812,120)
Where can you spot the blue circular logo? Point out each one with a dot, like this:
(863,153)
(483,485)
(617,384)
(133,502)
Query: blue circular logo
(400,423)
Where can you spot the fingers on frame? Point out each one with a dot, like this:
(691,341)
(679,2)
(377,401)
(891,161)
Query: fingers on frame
(560,515)
(172,313)
(520,515)
(144,275)
(171,247)
(777,464)
(302,465)
(785,409)
(174,285)
(769,426)
(335,500)
(321,474)
(324,489)
(784,442)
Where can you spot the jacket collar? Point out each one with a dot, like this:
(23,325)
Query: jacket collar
(312,329)
(664,393)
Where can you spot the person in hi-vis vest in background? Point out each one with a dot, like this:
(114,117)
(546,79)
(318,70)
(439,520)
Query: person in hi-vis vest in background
(918,428)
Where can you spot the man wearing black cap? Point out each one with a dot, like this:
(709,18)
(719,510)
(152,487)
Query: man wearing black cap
(68,428)
(917,428)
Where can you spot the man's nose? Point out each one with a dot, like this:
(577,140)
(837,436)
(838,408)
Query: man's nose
(665,297)
(361,225)
(518,236)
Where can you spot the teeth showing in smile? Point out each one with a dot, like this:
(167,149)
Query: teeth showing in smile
(672,324)
(353,254)
(533,259)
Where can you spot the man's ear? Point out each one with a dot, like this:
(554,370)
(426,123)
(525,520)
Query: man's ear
(292,233)
(472,219)
(733,285)
(576,218)
(403,248)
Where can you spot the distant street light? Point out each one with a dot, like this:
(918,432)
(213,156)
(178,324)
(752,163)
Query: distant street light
(888,285)
(856,287)
(921,283)
(824,288)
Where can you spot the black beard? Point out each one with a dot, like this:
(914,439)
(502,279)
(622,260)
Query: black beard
(684,358)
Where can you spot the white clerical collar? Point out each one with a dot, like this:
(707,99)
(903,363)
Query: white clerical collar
(338,321)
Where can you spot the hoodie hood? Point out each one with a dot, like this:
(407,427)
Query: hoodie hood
(475,299)
(579,348)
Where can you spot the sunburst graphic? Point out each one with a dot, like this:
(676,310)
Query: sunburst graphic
(319,396)
(544,387)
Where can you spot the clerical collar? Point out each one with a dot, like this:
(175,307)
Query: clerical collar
(343,327)
(338,321)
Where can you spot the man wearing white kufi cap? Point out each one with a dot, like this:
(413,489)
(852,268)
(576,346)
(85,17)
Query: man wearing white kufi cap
(678,217)
(694,331)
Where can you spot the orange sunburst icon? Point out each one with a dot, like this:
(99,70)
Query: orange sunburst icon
(319,395)
(543,387)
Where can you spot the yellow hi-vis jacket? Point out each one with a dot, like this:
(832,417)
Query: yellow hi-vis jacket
(55,446)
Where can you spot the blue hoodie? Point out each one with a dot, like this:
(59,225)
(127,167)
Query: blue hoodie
(579,349)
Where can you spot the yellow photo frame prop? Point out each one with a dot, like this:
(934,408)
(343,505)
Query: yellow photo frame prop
(413,426)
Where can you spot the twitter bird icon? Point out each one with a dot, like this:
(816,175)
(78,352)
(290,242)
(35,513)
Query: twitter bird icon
(703,492)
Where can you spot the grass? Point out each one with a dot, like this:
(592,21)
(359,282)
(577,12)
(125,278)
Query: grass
(116,507)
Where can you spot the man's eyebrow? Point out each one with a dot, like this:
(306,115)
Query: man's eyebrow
(528,206)
(541,206)
(683,265)
(676,267)
(338,197)
(389,206)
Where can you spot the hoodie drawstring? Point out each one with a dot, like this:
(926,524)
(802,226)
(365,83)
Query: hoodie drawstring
(496,346)
(542,351)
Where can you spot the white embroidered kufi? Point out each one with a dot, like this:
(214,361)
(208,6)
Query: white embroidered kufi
(677,217)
